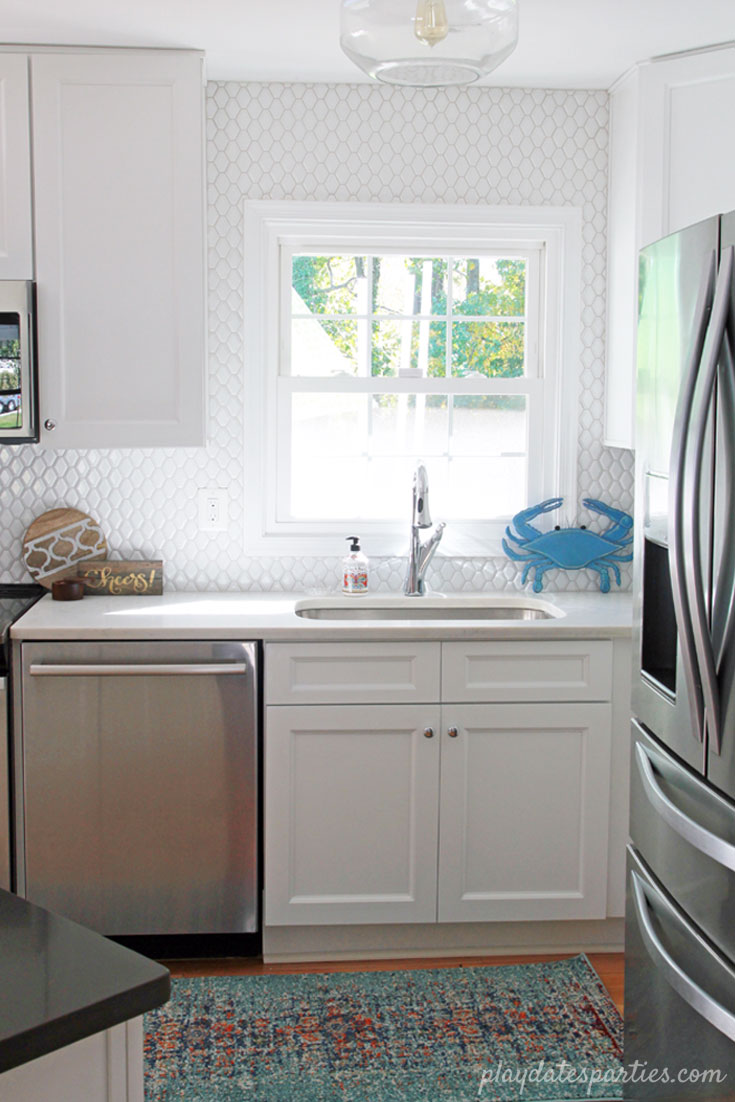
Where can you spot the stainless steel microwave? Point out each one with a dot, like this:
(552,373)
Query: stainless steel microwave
(18,370)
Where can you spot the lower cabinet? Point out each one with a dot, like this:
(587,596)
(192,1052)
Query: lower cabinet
(104,1067)
(425,813)
(524,802)
(351,813)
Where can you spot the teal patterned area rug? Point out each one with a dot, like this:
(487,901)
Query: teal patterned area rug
(524,1033)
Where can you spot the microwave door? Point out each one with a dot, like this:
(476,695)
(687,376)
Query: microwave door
(18,383)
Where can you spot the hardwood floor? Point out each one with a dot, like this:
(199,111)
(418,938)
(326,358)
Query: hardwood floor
(609,967)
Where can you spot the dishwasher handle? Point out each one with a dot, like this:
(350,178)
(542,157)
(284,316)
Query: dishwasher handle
(141,669)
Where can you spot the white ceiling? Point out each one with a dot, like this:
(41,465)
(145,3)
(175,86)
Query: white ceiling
(563,43)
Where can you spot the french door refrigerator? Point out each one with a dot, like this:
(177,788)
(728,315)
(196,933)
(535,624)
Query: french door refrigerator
(680,918)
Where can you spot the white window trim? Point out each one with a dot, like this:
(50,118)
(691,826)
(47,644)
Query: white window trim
(372,226)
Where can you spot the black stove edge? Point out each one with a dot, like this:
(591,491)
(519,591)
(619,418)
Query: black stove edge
(21,589)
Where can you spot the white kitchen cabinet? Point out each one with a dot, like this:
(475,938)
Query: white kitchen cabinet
(352,673)
(104,1067)
(687,165)
(565,669)
(16,234)
(355,793)
(672,163)
(351,814)
(118,168)
(524,812)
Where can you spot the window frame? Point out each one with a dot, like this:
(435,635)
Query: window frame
(272,226)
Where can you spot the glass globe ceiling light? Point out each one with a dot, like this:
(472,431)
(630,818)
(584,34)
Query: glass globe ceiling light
(428,43)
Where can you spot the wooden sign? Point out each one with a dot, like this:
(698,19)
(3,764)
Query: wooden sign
(113,578)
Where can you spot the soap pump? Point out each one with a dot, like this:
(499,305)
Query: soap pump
(355,569)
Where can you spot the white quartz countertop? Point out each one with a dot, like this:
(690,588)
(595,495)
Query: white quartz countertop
(272,617)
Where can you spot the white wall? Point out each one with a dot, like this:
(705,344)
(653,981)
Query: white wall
(342,142)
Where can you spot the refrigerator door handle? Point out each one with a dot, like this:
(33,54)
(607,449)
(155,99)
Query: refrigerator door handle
(723,600)
(687,828)
(646,898)
(677,556)
(701,407)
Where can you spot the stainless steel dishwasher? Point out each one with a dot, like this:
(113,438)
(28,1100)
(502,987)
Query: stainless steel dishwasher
(137,781)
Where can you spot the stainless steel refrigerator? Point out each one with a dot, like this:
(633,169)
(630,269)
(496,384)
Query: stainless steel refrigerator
(680,921)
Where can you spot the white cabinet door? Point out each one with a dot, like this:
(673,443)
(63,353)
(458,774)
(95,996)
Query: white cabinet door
(672,163)
(119,219)
(352,673)
(351,814)
(507,671)
(524,812)
(16,239)
(687,156)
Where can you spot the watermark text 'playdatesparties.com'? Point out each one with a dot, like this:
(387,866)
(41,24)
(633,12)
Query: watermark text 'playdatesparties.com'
(563,1073)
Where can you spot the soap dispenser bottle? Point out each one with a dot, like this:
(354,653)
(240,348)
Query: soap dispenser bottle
(355,569)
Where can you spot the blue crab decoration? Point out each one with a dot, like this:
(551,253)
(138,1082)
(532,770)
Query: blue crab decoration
(570,548)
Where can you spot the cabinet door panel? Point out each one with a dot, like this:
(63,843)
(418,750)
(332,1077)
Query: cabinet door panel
(687,169)
(351,810)
(16,250)
(352,673)
(565,669)
(118,168)
(524,812)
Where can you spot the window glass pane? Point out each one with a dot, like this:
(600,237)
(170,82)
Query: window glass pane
(409,285)
(388,488)
(489,425)
(329,284)
(325,348)
(328,424)
(490,348)
(354,455)
(408,424)
(324,490)
(328,434)
(416,345)
(483,488)
(489,286)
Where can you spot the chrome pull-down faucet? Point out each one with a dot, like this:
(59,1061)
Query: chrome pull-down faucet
(420,554)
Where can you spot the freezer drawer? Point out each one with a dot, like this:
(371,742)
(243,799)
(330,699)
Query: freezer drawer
(685,831)
(679,1000)
(140,810)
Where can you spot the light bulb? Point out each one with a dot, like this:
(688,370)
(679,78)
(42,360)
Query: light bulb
(431,25)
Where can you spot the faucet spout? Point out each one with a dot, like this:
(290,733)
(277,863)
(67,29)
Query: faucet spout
(420,554)
(427,549)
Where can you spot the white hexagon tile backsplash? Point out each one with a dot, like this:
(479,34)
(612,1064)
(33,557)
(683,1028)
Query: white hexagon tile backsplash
(336,142)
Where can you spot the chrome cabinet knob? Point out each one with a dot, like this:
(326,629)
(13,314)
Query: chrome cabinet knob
(453,732)
(49,425)
(428,732)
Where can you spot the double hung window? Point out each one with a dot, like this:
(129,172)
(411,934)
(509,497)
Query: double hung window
(385,336)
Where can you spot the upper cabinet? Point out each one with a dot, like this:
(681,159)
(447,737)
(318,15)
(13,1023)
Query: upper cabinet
(117,210)
(16,233)
(672,163)
(118,169)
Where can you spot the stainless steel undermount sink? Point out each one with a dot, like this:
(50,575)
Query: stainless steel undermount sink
(435,607)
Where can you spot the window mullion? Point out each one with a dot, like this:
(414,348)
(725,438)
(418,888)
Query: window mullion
(448,356)
(285,315)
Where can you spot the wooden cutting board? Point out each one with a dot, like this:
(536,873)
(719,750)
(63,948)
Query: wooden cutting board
(58,540)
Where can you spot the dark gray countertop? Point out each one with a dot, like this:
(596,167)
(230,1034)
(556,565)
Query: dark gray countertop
(60,982)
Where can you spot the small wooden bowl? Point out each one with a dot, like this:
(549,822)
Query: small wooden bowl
(67,589)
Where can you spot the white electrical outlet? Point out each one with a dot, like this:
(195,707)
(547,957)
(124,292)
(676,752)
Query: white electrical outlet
(213,510)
